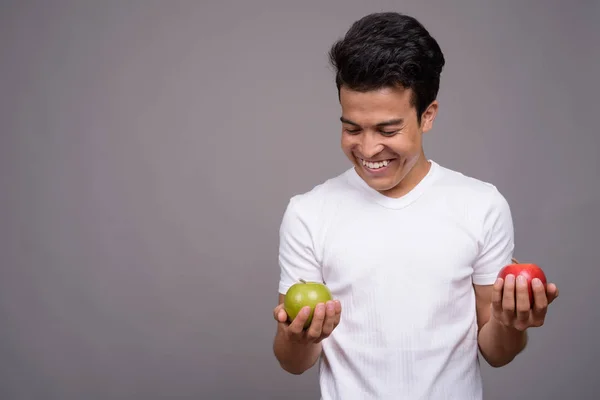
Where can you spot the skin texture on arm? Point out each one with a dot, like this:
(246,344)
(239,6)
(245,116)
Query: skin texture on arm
(295,358)
(298,349)
(498,344)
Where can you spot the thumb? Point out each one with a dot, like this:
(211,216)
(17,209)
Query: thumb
(281,315)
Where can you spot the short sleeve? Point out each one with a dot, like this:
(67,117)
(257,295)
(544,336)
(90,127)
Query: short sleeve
(498,241)
(297,258)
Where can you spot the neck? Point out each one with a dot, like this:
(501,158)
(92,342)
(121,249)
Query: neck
(412,178)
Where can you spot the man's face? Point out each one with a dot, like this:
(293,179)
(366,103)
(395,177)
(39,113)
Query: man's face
(382,138)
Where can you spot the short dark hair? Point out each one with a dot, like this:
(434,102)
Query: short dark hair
(387,49)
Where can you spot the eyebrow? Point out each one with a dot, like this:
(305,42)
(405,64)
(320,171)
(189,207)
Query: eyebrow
(397,121)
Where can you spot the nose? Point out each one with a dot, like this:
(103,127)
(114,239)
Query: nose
(370,144)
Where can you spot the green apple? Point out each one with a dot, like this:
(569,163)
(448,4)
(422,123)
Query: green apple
(304,294)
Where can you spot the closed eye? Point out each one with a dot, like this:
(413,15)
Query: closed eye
(389,133)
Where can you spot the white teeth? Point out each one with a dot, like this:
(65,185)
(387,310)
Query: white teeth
(376,165)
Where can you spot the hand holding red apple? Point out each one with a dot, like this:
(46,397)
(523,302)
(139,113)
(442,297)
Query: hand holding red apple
(521,296)
(309,314)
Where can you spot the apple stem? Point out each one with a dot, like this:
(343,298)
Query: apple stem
(515,260)
(302,280)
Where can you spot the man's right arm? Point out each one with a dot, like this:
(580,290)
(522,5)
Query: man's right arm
(294,357)
(298,349)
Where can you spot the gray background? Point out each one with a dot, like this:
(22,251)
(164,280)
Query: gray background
(148,150)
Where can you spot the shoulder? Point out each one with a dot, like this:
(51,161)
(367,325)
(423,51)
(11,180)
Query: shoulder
(319,200)
(478,204)
(475,193)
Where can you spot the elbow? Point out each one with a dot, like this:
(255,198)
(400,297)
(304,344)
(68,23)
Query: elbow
(500,355)
(289,367)
(498,360)
(295,360)
(291,370)
(295,371)
(292,366)
(498,363)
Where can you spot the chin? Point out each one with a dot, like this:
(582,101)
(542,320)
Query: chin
(380,183)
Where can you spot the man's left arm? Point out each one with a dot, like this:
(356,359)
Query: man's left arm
(504,315)
(503,310)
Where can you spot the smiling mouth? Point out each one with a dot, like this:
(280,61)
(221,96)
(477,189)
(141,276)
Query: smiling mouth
(375,165)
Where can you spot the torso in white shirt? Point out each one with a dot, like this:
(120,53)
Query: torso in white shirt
(403,270)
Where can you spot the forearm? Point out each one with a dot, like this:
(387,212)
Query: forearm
(295,358)
(500,344)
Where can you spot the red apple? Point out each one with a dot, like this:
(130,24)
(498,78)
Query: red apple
(528,270)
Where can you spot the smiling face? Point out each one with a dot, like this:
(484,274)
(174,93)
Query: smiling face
(382,137)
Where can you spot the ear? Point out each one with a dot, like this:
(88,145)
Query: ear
(428,116)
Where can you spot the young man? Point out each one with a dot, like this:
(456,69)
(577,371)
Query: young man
(409,249)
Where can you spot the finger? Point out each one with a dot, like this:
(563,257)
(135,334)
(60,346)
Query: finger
(338,312)
(522,306)
(276,311)
(329,319)
(497,295)
(541,301)
(551,292)
(316,326)
(279,313)
(296,327)
(282,316)
(508,295)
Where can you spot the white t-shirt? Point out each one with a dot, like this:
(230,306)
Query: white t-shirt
(403,269)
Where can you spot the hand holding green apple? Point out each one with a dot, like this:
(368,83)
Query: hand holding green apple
(309,312)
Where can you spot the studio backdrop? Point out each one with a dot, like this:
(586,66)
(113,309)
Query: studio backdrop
(148,150)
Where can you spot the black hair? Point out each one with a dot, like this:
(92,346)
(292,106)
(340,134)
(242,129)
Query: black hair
(385,50)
